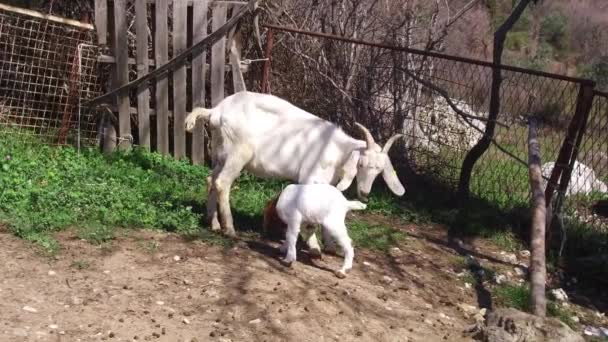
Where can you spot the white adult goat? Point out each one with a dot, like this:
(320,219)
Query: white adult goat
(271,138)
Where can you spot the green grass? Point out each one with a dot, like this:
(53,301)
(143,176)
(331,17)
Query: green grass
(374,236)
(513,296)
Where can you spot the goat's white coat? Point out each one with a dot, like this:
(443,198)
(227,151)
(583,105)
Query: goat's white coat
(272,138)
(316,204)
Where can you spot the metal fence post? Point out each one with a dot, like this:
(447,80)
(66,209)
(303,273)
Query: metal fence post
(569,147)
(266,69)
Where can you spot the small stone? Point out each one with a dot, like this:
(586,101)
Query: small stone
(187,282)
(520,271)
(387,280)
(467,309)
(467,285)
(52,273)
(471,261)
(500,278)
(111,334)
(106,272)
(255,321)
(121,320)
(176,258)
(53,326)
(186,321)
(29,309)
(160,302)
(559,294)
(575,319)
(428,321)
(510,258)
(524,253)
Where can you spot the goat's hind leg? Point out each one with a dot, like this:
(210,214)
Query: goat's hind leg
(212,205)
(229,172)
(339,233)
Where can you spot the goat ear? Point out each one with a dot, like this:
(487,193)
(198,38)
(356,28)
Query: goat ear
(349,171)
(390,177)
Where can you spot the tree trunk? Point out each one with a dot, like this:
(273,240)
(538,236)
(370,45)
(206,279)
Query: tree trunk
(482,145)
(538,270)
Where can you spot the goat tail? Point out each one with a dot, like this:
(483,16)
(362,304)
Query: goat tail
(356,205)
(198,112)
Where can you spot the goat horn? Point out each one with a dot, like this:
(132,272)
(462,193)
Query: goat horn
(368,136)
(390,142)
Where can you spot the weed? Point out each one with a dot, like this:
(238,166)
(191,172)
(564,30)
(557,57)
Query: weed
(96,233)
(561,313)
(80,264)
(149,246)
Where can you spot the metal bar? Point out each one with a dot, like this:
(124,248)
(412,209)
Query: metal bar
(49,17)
(583,106)
(266,67)
(434,54)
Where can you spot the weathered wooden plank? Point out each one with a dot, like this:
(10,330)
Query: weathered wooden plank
(143,93)
(180,43)
(199,70)
(182,58)
(161,55)
(101,21)
(122,73)
(236,47)
(218,56)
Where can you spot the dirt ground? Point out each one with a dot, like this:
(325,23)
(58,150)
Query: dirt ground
(151,286)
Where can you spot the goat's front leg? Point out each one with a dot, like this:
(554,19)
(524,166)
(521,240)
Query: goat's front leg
(291,238)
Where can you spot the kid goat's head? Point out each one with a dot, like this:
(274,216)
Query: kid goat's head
(368,163)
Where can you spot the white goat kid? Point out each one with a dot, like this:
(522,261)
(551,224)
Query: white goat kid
(271,138)
(316,204)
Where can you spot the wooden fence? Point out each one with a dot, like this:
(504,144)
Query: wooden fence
(144,36)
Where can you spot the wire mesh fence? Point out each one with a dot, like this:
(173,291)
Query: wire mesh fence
(441,104)
(48,65)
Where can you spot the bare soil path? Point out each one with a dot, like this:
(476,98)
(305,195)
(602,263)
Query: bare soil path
(152,286)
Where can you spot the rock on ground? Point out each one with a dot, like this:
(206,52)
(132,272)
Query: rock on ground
(510,325)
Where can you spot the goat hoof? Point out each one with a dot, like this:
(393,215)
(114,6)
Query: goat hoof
(287,262)
(340,274)
(230,233)
(215,227)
